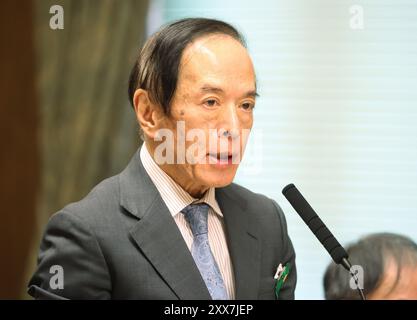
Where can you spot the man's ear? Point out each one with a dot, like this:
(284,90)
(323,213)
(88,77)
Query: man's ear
(148,114)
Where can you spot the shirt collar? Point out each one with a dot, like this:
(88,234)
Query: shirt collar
(174,196)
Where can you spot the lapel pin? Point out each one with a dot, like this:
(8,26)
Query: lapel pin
(280,277)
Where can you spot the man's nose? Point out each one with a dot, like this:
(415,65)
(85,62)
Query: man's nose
(230,124)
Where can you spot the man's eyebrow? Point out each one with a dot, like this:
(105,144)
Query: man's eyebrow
(206,88)
(252,93)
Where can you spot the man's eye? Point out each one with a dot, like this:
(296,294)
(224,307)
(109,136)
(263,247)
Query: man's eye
(210,102)
(247,106)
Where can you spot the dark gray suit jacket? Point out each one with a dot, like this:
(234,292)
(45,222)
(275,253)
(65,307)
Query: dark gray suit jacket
(121,242)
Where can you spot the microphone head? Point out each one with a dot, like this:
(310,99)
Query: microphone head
(287,187)
(316,225)
(326,238)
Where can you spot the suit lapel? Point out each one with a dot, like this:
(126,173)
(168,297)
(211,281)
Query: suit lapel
(241,233)
(157,235)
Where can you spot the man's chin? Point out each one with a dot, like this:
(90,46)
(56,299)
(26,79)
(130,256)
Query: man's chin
(218,180)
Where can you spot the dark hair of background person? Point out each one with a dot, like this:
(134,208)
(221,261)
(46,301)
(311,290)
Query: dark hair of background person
(372,253)
(156,69)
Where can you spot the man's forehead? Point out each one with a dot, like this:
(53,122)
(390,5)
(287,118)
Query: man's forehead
(201,48)
(215,56)
(214,49)
(205,47)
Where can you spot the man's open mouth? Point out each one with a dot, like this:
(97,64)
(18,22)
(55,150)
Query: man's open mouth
(221,158)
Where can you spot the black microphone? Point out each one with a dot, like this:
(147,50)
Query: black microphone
(317,226)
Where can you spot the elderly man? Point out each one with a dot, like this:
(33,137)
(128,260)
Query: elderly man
(172,225)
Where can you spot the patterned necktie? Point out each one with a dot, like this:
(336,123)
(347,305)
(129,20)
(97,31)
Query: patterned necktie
(196,216)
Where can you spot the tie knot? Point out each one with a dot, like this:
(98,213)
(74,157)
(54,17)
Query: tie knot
(196,216)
